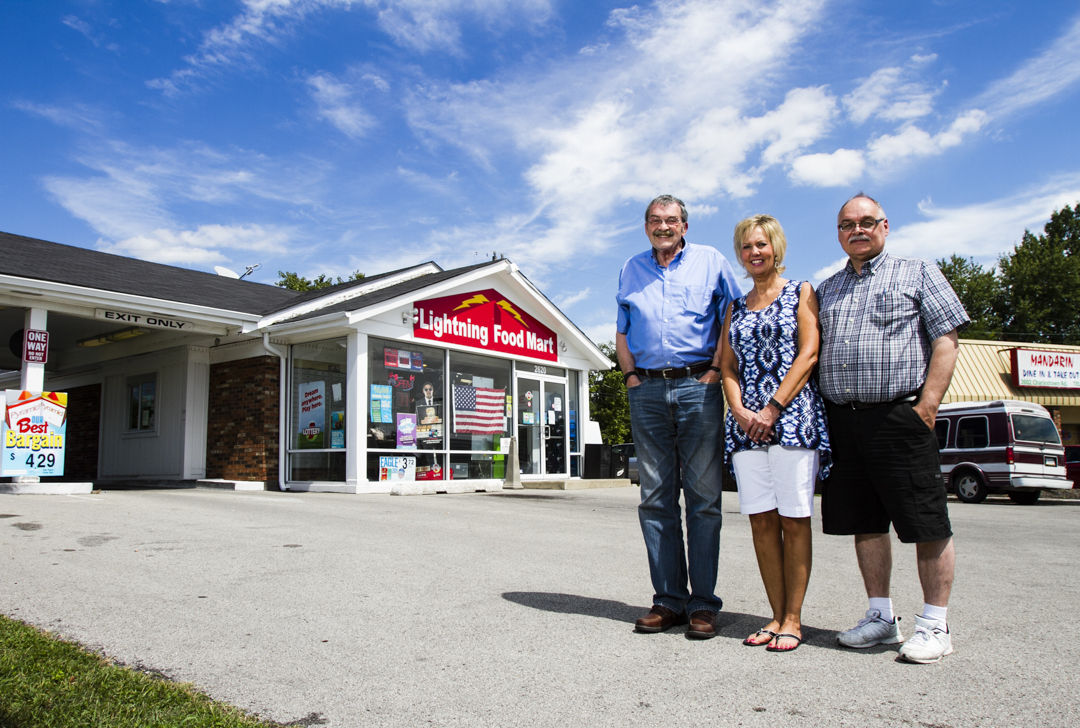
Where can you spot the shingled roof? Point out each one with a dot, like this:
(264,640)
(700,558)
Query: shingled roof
(45,261)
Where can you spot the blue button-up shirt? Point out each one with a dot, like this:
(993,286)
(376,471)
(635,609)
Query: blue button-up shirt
(672,316)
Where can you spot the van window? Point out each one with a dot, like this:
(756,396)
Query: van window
(1035,429)
(972,432)
(941,431)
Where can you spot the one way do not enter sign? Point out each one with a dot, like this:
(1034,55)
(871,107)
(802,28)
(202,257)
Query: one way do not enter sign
(36,346)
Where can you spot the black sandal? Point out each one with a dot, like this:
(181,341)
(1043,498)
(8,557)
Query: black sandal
(798,641)
(749,641)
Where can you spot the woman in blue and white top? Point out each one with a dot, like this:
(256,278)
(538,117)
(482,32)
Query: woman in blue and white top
(775,432)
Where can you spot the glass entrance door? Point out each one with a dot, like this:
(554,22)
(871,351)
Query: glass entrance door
(540,416)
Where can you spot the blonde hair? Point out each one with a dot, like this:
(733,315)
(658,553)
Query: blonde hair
(773,231)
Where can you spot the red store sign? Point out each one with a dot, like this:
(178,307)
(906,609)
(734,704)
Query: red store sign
(484,320)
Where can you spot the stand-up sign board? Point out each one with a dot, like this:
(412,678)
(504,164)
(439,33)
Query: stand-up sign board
(35,433)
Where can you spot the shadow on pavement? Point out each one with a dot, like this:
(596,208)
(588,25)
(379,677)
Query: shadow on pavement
(732,625)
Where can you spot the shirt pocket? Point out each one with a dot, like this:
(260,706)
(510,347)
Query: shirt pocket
(694,299)
(889,307)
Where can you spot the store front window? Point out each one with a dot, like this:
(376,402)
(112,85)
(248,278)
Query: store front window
(317,411)
(480,392)
(406,418)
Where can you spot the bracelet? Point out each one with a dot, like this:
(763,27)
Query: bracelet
(779,407)
(718,370)
(631,373)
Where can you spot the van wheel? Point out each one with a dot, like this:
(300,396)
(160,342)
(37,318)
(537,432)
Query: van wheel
(969,487)
(1024,497)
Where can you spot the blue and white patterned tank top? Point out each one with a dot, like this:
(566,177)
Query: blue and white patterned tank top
(765,343)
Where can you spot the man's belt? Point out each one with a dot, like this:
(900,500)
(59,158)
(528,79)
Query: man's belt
(873,405)
(674,372)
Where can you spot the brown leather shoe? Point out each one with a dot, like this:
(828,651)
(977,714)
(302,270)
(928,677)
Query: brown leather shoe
(659,619)
(702,625)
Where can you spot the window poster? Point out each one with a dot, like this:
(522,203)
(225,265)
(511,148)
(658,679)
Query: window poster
(311,421)
(406,430)
(429,428)
(337,429)
(35,432)
(403,359)
(382,403)
(397,468)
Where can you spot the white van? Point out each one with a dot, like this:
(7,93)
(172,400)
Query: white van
(1004,446)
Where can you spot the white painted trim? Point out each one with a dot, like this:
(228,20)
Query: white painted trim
(350,293)
(81,298)
(46,488)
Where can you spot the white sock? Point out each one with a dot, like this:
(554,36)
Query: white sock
(883,605)
(929,611)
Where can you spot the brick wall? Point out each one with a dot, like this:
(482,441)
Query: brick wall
(83,433)
(242,422)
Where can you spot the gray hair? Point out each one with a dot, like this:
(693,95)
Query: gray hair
(664,200)
(857,195)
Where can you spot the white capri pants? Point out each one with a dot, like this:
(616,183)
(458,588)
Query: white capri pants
(777,477)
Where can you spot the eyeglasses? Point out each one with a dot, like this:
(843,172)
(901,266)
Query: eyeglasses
(867,223)
(671,221)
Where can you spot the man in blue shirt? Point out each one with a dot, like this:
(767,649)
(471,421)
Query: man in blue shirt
(672,299)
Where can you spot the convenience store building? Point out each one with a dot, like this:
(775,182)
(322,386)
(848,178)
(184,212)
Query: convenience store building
(419,376)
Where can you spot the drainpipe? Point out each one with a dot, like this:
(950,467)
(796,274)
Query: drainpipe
(282,414)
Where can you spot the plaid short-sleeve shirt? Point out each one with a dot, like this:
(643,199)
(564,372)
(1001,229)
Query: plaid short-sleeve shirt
(876,328)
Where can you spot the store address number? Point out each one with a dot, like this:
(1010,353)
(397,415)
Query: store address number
(537,369)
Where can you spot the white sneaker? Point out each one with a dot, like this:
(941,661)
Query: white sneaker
(872,630)
(930,642)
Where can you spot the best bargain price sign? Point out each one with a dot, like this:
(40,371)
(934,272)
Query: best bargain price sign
(35,433)
(484,320)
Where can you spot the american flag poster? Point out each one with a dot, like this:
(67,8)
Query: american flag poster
(479,410)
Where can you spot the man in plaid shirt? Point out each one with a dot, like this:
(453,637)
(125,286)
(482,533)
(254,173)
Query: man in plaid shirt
(888,349)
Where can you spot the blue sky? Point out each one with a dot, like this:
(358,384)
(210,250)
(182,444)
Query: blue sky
(326,136)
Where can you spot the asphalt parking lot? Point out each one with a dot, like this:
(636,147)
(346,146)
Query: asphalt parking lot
(516,609)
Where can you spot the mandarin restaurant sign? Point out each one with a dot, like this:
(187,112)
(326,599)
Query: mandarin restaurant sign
(485,320)
(1034,368)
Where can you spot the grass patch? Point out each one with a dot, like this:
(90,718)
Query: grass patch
(46,682)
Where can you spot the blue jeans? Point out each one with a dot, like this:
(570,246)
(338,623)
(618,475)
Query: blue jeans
(679,439)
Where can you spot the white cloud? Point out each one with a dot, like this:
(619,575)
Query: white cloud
(335,103)
(202,246)
(420,25)
(981,230)
(565,302)
(1041,78)
(79,116)
(837,169)
(891,94)
(913,142)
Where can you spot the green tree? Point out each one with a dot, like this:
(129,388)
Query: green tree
(1041,282)
(295,282)
(608,403)
(981,293)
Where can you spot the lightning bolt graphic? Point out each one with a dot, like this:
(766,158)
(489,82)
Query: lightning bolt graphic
(476,300)
(506,306)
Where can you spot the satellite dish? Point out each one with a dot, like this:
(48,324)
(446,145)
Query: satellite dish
(225,272)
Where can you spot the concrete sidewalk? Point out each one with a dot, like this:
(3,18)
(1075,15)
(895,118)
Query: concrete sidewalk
(516,609)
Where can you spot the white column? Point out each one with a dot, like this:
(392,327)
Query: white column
(356,408)
(32,378)
(33,375)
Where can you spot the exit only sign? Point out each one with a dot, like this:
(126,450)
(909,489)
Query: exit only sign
(36,346)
